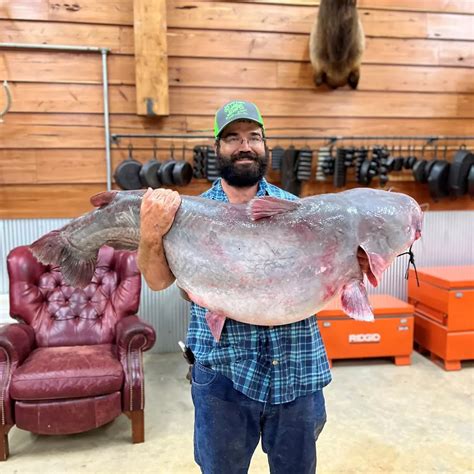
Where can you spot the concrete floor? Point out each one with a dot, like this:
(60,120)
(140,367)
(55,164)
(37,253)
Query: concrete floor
(381,419)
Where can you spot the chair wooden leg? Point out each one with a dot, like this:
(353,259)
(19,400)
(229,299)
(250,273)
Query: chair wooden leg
(138,425)
(4,452)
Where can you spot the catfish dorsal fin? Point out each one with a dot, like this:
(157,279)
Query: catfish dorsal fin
(259,208)
(103,198)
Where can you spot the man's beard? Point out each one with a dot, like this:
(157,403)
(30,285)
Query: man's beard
(242,175)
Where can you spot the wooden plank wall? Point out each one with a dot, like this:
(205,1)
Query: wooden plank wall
(416,80)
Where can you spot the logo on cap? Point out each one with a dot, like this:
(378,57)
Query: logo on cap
(234,108)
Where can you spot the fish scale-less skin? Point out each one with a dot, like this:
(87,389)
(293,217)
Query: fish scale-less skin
(284,268)
(269,271)
(117,225)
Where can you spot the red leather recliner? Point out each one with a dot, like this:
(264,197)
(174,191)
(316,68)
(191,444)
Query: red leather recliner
(74,361)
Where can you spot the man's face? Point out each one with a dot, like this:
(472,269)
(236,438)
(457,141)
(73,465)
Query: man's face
(242,155)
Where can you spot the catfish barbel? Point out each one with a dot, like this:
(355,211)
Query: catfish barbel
(268,262)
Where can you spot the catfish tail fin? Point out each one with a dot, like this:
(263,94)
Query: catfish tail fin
(54,249)
(77,272)
(48,248)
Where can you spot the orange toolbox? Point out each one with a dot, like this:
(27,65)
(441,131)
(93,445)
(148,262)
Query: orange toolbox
(390,335)
(444,313)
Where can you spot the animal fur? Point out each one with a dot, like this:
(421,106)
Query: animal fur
(336,44)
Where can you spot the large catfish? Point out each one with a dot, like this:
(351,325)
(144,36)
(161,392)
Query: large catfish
(268,262)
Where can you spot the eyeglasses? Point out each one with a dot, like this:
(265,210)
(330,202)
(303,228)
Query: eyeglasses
(235,141)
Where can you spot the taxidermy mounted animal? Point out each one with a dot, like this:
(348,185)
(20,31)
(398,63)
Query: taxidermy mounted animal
(336,44)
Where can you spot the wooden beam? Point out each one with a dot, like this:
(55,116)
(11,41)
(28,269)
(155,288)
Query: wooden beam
(151,57)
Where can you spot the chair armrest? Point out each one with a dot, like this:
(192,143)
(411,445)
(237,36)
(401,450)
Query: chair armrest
(133,336)
(132,332)
(16,343)
(17,340)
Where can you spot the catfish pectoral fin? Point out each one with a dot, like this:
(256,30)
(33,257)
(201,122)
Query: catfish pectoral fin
(215,321)
(355,301)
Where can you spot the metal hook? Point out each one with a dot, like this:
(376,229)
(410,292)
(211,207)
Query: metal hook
(8,104)
(130,149)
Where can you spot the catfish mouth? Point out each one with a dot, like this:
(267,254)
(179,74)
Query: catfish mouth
(374,268)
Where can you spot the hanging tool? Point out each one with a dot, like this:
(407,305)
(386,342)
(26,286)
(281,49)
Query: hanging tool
(289,167)
(305,159)
(182,171)
(8,104)
(127,173)
(277,156)
(212,169)
(165,173)
(458,173)
(149,172)
(339,178)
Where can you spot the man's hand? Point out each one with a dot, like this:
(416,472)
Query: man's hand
(157,214)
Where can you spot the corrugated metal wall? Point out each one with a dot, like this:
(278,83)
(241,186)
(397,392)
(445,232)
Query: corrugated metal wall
(447,240)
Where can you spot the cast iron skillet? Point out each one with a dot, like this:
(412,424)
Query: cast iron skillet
(182,173)
(165,173)
(458,174)
(149,174)
(438,179)
(127,173)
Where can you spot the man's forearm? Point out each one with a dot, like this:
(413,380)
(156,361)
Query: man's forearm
(154,267)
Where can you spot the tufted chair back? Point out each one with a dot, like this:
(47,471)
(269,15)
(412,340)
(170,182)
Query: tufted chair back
(65,316)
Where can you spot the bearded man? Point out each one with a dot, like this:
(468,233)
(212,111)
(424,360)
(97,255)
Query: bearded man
(256,382)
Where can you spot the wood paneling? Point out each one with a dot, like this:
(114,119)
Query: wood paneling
(35,201)
(18,201)
(116,12)
(340,103)
(445,6)
(60,68)
(239,44)
(386,78)
(52,131)
(296,19)
(105,36)
(82,98)
(226,16)
(416,80)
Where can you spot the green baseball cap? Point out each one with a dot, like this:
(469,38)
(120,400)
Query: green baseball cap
(236,110)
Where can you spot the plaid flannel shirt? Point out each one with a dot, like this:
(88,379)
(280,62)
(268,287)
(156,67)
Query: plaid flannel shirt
(268,364)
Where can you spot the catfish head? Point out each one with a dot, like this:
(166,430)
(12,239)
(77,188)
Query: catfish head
(389,225)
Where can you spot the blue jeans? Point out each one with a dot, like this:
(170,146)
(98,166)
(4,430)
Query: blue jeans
(228,426)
